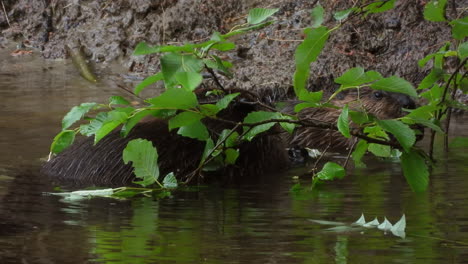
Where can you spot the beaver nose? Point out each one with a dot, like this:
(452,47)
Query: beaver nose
(404,100)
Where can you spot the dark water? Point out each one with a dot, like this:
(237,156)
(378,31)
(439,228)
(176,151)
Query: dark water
(262,223)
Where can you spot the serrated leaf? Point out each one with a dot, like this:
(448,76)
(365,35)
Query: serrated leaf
(317,16)
(113,120)
(94,125)
(196,130)
(415,170)
(258,15)
(428,81)
(403,133)
(306,53)
(231,155)
(343,14)
(358,153)
(144,158)
(435,10)
(209,109)
(184,119)
(226,100)
(62,140)
(343,122)
(380,150)
(331,171)
(76,113)
(463,50)
(132,121)
(395,84)
(459,28)
(311,97)
(189,80)
(357,76)
(173,63)
(255,117)
(170,181)
(148,81)
(118,100)
(175,99)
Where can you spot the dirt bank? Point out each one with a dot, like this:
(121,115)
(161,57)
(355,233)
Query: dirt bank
(390,43)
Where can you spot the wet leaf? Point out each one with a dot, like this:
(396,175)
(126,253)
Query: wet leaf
(175,99)
(317,16)
(331,171)
(343,122)
(62,141)
(196,130)
(144,158)
(306,53)
(170,181)
(395,84)
(435,10)
(415,170)
(148,81)
(76,113)
(258,15)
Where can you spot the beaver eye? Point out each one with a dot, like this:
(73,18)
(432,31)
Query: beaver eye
(378,95)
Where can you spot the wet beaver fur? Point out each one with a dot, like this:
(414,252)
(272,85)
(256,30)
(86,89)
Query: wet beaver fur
(102,164)
(381,104)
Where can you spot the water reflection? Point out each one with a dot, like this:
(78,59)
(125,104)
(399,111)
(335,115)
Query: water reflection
(261,223)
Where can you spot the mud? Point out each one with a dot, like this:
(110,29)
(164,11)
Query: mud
(390,43)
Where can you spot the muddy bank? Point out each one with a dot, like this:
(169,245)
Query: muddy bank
(390,43)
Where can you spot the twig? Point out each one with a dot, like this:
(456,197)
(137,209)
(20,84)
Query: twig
(349,153)
(215,78)
(6,15)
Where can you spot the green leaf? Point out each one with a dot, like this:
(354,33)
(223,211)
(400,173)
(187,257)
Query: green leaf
(94,125)
(311,97)
(357,76)
(224,46)
(395,84)
(289,127)
(428,123)
(247,29)
(175,98)
(231,155)
(170,181)
(118,100)
(184,119)
(230,141)
(76,113)
(148,81)
(208,148)
(379,7)
(343,14)
(219,64)
(380,150)
(463,50)
(196,130)
(428,81)
(144,158)
(343,122)
(359,117)
(459,28)
(209,109)
(255,117)
(62,141)
(113,120)
(133,120)
(331,171)
(424,112)
(226,100)
(173,63)
(435,10)
(299,107)
(258,15)
(143,49)
(403,133)
(189,80)
(358,153)
(317,16)
(306,53)
(415,170)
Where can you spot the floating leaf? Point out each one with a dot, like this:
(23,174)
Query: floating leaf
(76,113)
(435,10)
(258,15)
(415,170)
(395,84)
(331,171)
(148,81)
(170,181)
(317,16)
(144,158)
(306,53)
(62,141)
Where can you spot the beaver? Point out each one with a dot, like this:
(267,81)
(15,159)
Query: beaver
(102,164)
(381,104)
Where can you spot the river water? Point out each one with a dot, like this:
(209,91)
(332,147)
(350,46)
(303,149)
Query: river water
(261,223)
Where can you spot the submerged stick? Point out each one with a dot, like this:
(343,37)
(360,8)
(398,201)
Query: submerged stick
(80,62)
